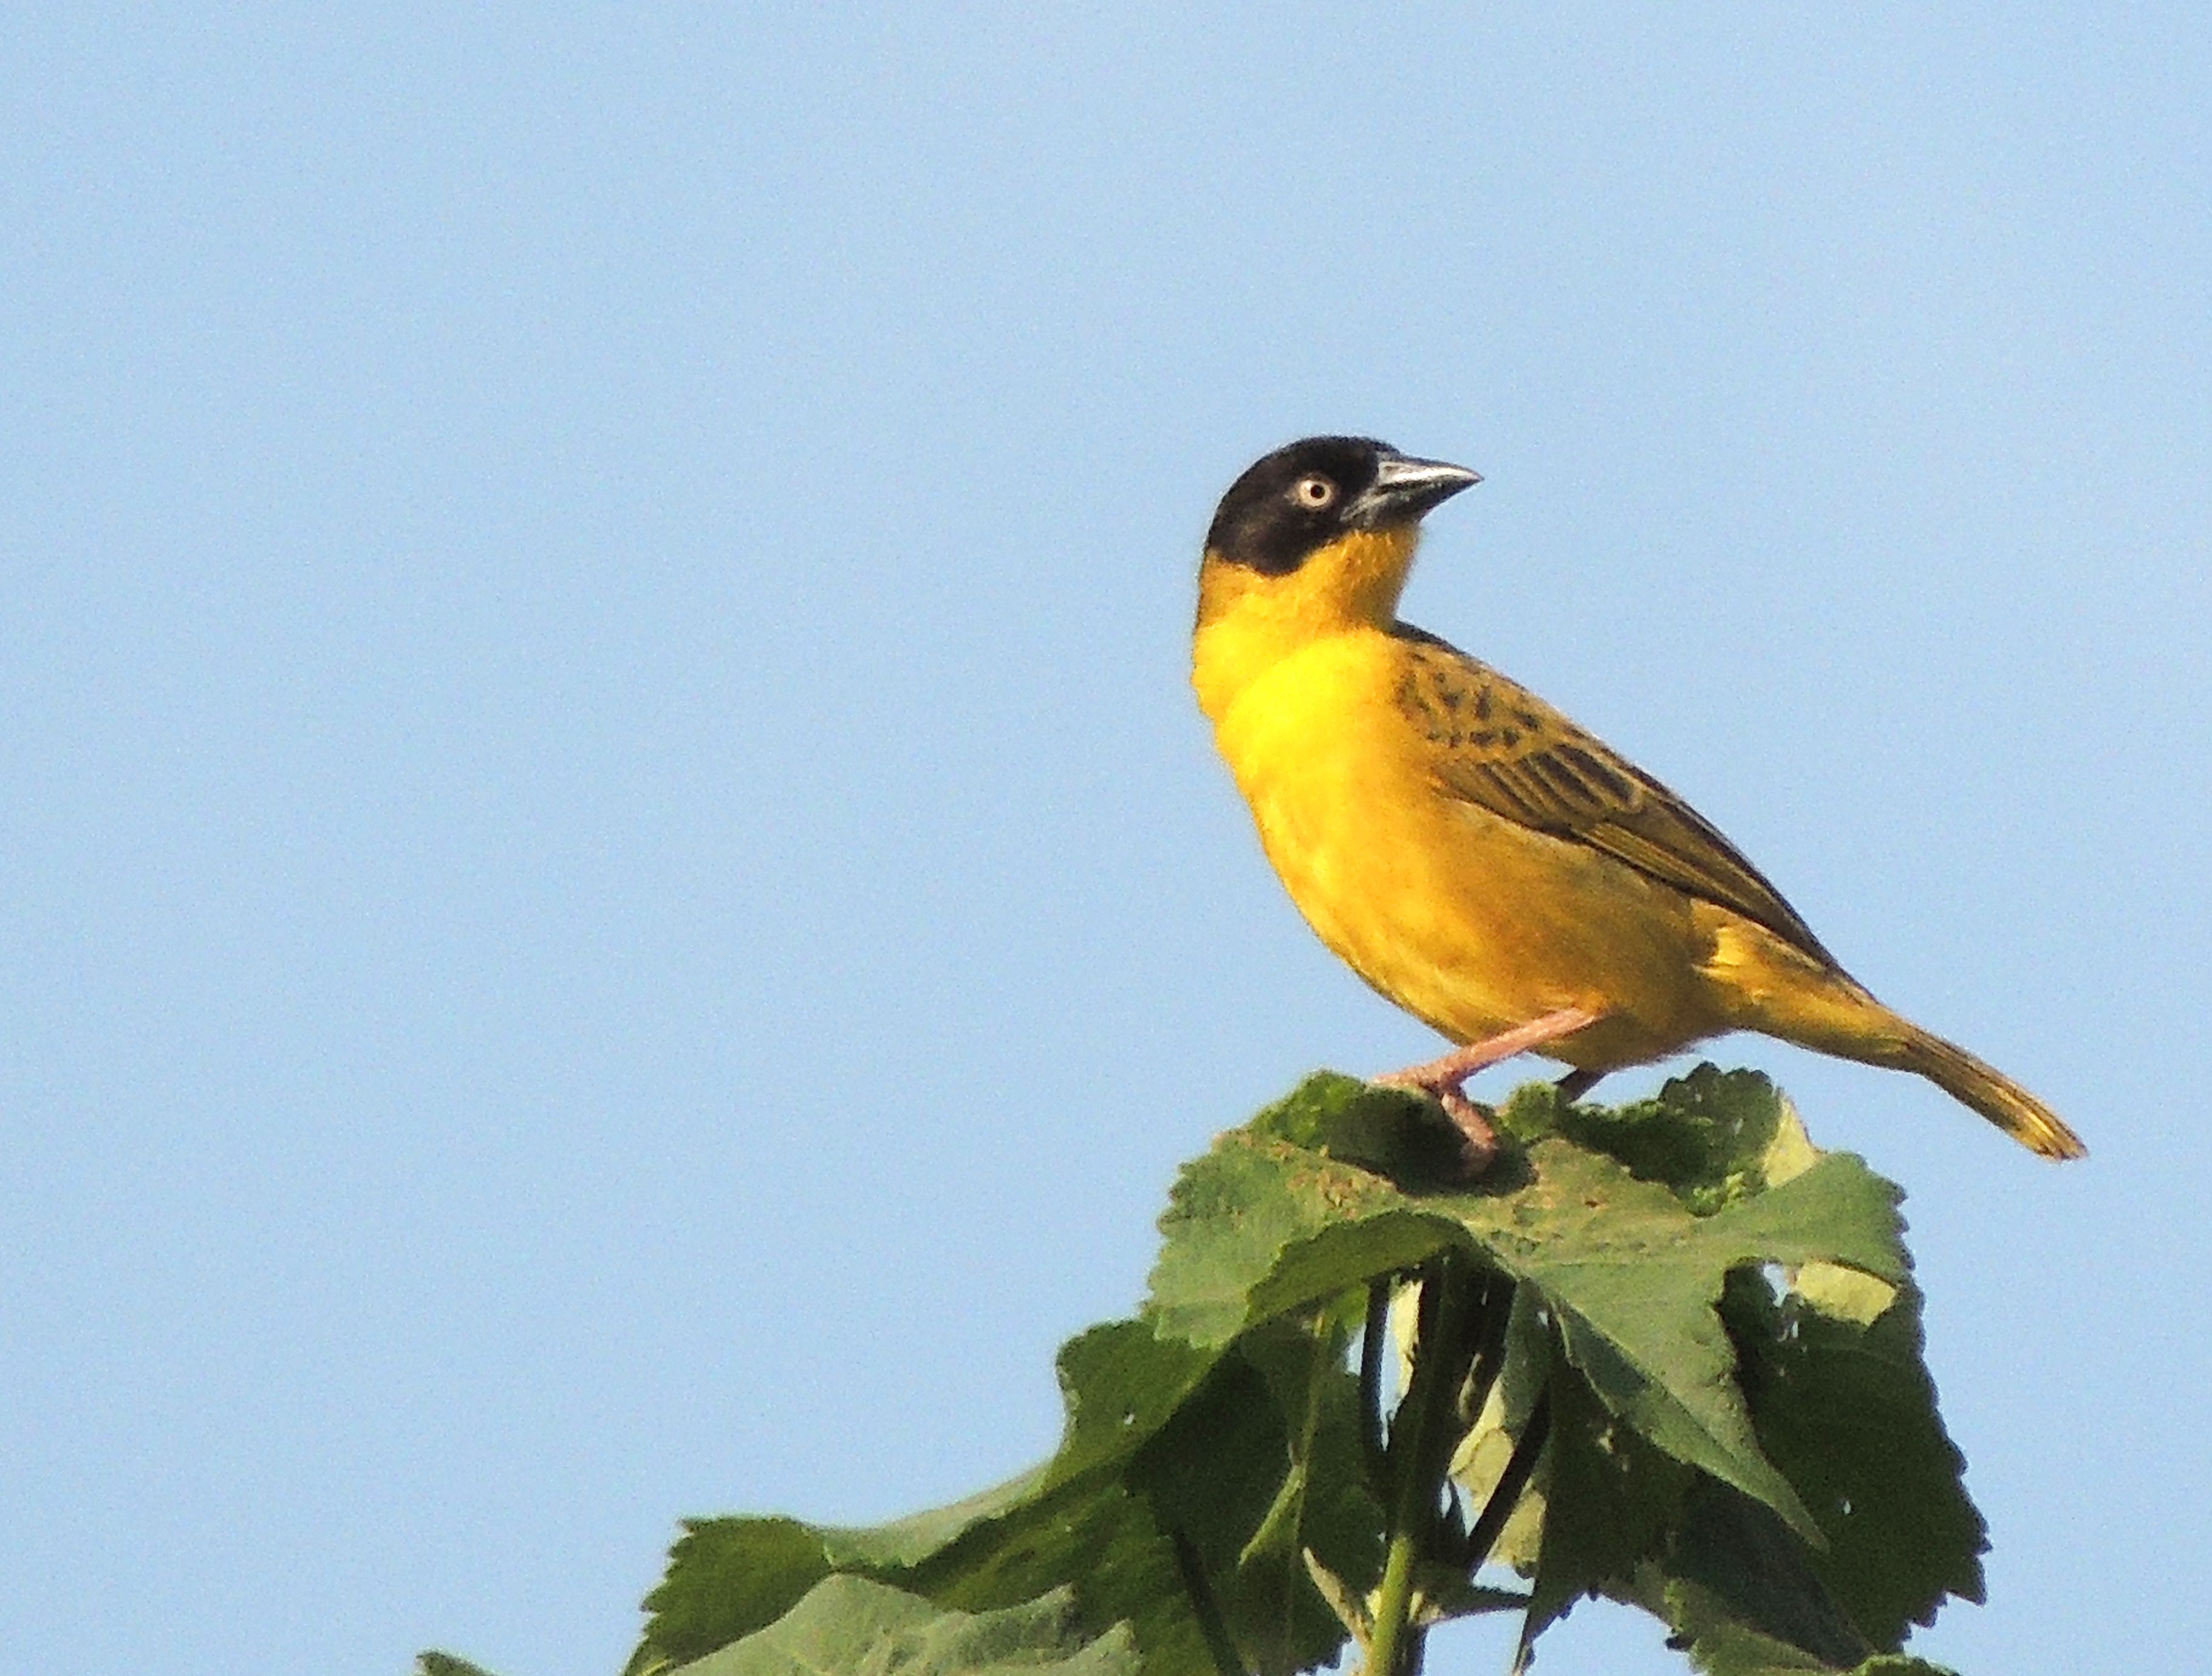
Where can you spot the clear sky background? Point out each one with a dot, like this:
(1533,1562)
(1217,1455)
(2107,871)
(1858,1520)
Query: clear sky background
(612,903)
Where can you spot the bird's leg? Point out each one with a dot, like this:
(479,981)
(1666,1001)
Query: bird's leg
(1441,1079)
(1577,1083)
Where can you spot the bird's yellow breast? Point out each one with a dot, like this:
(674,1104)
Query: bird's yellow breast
(1469,921)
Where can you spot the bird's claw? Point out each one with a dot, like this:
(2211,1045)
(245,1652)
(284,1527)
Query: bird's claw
(1443,1080)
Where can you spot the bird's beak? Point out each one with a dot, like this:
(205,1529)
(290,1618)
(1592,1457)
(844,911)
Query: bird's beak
(1405,489)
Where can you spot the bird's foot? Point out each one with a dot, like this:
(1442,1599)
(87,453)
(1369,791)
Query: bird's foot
(1442,1079)
(1577,1083)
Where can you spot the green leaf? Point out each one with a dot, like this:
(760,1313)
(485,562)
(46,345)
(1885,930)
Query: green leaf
(1094,1537)
(1266,1224)
(1167,1446)
(1735,1571)
(1071,1522)
(1327,1507)
(1847,1411)
(1611,1501)
(1121,1382)
(1484,1454)
(727,1578)
(1712,1138)
(1636,1280)
(1232,1476)
(1391,1131)
(908,1541)
(444,1664)
(1762,1466)
(1262,1443)
(1720,1644)
(1323,1507)
(849,1625)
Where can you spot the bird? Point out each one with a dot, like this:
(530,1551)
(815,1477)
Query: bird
(1498,872)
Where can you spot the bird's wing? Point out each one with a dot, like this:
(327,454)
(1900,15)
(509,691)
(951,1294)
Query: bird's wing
(1499,746)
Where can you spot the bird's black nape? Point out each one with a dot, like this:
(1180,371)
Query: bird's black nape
(1261,523)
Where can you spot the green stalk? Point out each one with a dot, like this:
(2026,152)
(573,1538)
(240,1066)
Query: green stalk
(1210,1625)
(1393,1606)
(1440,1358)
(1372,1350)
(1483,1536)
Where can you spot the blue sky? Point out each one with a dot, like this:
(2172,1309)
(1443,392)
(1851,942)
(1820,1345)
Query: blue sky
(614,903)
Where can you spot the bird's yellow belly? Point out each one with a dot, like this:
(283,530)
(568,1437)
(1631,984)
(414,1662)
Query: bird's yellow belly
(1470,922)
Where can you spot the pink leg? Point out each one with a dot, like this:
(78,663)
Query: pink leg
(1442,1078)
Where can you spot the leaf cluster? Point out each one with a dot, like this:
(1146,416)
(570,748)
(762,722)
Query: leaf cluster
(1667,1353)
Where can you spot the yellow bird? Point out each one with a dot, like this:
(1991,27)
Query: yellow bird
(1474,855)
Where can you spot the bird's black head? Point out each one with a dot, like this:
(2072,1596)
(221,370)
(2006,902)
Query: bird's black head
(1299,499)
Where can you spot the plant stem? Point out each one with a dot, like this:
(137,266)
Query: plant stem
(1519,1469)
(1204,1607)
(1441,1356)
(1373,1347)
(1495,1303)
(1393,1606)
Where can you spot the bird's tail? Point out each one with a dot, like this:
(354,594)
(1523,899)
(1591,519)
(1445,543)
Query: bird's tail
(1775,987)
(1990,1092)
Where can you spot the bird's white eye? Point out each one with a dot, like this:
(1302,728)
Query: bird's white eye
(1312,493)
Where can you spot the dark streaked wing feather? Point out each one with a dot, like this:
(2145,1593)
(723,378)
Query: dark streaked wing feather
(1506,750)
